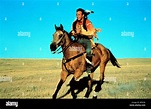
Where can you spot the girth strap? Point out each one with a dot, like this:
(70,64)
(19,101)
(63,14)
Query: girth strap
(68,60)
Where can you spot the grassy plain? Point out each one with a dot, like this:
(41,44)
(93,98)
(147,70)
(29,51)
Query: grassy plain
(37,78)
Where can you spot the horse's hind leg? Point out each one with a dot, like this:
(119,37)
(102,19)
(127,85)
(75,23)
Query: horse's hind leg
(101,78)
(64,76)
(89,88)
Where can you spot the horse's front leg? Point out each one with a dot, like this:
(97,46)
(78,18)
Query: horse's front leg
(64,76)
(77,74)
(90,81)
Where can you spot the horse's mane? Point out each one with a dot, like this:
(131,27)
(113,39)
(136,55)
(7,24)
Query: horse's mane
(64,31)
(69,35)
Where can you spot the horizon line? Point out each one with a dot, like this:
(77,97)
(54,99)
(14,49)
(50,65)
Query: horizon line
(61,58)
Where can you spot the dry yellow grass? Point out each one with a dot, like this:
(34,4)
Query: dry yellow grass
(38,78)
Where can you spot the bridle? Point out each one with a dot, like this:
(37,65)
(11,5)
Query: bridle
(59,47)
(62,35)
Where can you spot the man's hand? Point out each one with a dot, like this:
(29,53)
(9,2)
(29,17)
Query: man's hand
(73,33)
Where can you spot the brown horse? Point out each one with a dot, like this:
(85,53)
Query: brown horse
(74,61)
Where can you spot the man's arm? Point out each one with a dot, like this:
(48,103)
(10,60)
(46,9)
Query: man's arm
(73,30)
(90,29)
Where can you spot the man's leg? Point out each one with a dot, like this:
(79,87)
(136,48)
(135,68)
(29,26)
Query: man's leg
(87,45)
(88,55)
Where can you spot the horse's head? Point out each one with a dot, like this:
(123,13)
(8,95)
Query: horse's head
(58,37)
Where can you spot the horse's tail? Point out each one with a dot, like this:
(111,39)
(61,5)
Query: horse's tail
(113,60)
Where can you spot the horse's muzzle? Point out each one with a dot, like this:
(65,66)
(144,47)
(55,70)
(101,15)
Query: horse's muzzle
(53,46)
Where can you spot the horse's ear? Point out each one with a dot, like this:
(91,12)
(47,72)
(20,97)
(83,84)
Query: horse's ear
(55,27)
(61,26)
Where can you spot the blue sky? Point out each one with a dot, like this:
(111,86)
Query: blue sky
(26,26)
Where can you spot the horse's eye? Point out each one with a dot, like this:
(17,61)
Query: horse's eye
(60,35)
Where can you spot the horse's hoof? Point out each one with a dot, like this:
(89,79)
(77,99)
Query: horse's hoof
(86,96)
(94,97)
(74,96)
(54,97)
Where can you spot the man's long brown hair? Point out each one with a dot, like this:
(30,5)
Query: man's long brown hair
(84,22)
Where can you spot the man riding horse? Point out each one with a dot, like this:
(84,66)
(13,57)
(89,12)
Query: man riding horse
(73,62)
(83,30)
